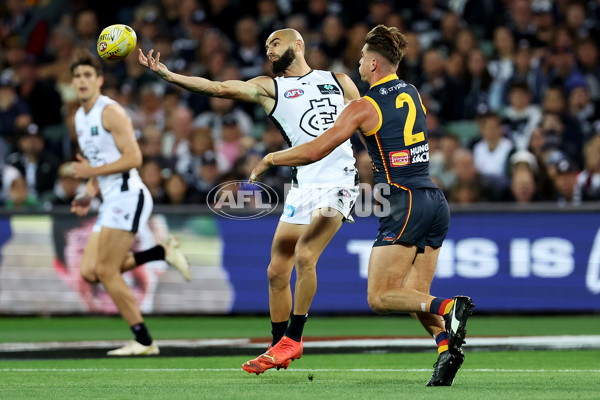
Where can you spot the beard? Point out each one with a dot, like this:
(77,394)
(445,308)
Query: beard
(283,63)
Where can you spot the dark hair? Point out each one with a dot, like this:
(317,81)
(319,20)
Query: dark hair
(388,42)
(85,57)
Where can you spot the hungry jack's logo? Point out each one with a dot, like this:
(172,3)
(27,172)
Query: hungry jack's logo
(399,158)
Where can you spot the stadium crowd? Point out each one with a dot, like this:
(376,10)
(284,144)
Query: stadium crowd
(511,88)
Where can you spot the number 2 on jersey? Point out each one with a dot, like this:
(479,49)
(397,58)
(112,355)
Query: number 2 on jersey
(410,138)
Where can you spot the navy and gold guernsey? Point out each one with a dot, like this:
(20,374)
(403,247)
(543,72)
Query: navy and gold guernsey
(398,146)
(399,149)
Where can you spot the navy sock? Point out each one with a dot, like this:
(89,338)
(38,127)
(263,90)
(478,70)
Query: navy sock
(278,330)
(141,333)
(294,331)
(155,253)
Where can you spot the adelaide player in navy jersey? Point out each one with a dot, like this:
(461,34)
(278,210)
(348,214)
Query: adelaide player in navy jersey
(391,117)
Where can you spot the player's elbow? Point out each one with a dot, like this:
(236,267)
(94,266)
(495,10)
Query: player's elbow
(315,155)
(136,159)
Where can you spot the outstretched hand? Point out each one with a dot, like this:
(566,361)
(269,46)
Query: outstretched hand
(153,64)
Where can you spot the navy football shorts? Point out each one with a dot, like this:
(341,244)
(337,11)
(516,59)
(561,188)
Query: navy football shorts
(417,216)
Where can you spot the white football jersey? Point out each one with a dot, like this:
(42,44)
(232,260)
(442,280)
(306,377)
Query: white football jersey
(305,107)
(99,147)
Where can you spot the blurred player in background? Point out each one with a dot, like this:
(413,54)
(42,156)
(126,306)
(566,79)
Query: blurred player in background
(106,139)
(391,117)
(303,103)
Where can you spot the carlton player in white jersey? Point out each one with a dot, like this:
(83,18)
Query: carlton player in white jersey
(304,103)
(105,136)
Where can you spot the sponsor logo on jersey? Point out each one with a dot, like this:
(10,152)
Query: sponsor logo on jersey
(293,93)
(396,87)
(399,158)
(288,210)
(329,89)
(388,237)
(94,131)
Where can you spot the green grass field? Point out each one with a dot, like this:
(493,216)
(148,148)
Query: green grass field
(484,375)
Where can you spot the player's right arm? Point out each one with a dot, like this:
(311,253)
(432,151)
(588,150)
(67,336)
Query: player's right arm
(258,90)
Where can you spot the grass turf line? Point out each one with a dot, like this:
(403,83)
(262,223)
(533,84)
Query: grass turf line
(134,378)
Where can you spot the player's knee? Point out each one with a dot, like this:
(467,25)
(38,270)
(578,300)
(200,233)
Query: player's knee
(305,258)
(89,277)
(105,274)
(278,277)
(377,302)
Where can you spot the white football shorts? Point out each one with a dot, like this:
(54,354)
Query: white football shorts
(301,202)
(126,211)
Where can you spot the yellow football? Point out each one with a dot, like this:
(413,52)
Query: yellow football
(116,42)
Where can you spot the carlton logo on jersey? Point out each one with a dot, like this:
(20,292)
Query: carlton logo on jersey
(399,158)
(293,93)
(319,117)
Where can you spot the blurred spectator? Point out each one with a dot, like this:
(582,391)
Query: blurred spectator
(222,14)
(11,108)
(501,65)
(571,136)
(583,109)
(410,68)
(565,178)
(587,186)
(8,174)
(269,18)
(469,185)
(333,39)
(450,27)
(56,62)
(65,189)
(202,151)
(441,162)
(491,153)
(575,21)
(521,22)
(543,20)
(176,141)
(219,109)
(483,16)
(176,191)
(37,165)
(478,84)
(151,146)
(526,70)
(151,173)
(465,42)
(19,197)
(588,65)
(520,117)
(522,186)
(426,21)
(87,30)
(438,90)
(248,53)
(40,95)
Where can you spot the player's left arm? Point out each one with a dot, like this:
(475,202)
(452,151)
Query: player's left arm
(350,90)
(117,122)
(354,116)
